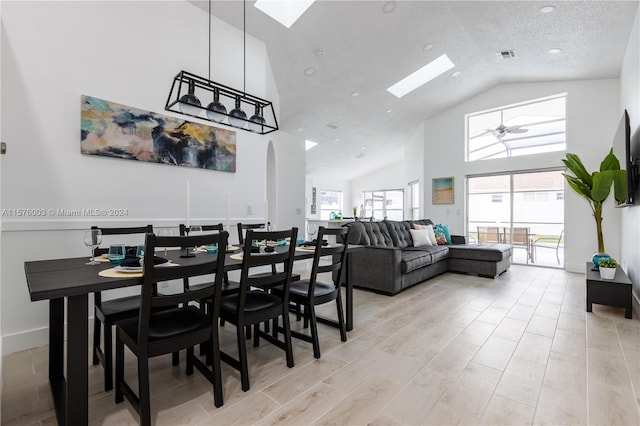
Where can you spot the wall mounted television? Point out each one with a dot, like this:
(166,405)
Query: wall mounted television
(628,158)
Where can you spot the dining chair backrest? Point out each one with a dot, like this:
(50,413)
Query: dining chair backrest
(280,256)
(333,255)
(121,231)
(488,234)
(520,236)
(201,266)
(205,228)
(243,227)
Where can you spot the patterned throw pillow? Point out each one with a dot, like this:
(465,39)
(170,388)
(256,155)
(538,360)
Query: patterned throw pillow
(442,234)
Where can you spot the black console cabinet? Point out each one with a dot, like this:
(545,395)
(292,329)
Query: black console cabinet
(615,292)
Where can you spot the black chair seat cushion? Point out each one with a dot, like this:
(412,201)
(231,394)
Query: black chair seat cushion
(301,288)
(168,323)
(121,306)
(256,301)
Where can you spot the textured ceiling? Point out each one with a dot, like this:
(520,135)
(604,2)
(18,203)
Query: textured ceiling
(366,50)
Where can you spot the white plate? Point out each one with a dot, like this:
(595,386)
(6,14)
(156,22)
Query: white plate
(128,269)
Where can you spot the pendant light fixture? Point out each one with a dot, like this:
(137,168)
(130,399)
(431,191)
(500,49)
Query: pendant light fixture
(223,97)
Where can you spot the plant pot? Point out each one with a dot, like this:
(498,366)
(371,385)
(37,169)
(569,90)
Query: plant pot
(607,273)
(597,256)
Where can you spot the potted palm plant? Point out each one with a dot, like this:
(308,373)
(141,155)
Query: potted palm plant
(607,268)
(595,188)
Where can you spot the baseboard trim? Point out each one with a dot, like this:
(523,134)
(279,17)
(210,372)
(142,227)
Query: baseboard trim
(33,338)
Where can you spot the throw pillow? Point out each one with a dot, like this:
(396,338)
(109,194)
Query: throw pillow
(420,237)
(418,226)
(440,237)
(445,230)
(432,235)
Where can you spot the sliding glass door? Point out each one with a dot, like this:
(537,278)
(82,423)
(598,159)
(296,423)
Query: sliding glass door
(523,209)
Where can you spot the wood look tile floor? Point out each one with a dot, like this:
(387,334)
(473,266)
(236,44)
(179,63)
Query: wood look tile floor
(456,349)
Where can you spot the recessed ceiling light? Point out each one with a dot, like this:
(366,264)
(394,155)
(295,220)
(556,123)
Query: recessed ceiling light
(363,147)
(285,12)
(547,9)
(309,144)
(455,74)
(422,76)
(389,111)
(389,7)
(355,94)
(310,71)
(300,129)
(319,53)
(427,47)
(554,51)
(336,140)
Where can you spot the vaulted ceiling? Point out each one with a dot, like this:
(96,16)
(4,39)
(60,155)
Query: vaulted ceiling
(333,66)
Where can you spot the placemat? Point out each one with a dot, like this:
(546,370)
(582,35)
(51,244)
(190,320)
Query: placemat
(306,249)
(112,273)
(237,256)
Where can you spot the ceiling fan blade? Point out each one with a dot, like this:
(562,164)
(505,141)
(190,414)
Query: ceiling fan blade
(518,130)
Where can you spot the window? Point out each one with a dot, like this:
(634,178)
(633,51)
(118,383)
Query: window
(414,189)
(384,204)
(496,198)
(529,128)
(330,202)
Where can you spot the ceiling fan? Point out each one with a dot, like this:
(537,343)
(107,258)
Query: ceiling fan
(501,131)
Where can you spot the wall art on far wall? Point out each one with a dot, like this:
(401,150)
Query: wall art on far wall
(442,191)
(113,130)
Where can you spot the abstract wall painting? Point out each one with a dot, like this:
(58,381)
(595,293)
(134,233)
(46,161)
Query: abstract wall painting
(442,192)
(114,130)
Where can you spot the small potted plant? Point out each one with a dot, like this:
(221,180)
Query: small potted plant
(607,268)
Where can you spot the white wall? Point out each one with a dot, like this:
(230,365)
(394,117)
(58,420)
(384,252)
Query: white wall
(126,52)
(395,176)
(592,118)
(630,100)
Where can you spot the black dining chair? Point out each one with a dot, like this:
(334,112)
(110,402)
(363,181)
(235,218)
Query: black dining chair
(157,331)
(310,293)
(242,228)
(107,312)
(255,303)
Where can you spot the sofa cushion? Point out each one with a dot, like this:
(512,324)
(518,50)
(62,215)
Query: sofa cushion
(400,233)
(484,252)
(417,257)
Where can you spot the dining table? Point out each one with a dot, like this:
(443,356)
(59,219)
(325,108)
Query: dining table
(71,279)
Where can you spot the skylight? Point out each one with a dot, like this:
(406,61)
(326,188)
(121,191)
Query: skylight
(309,144)
(422,76)
(284,11)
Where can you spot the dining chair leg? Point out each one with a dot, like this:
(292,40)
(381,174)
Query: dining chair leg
(275,328)
(242,357)
(256,338)
(108,358)
(287,336)
(96,338)
(143,391)
(341,323)
(305,315)
(214,348)
(175,358)
(314,331)
(119,369)
(190,355)
(298,312)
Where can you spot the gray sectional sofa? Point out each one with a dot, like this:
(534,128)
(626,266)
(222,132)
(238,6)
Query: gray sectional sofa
(388,262)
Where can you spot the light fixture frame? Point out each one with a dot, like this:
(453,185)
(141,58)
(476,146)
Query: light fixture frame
(205,90)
